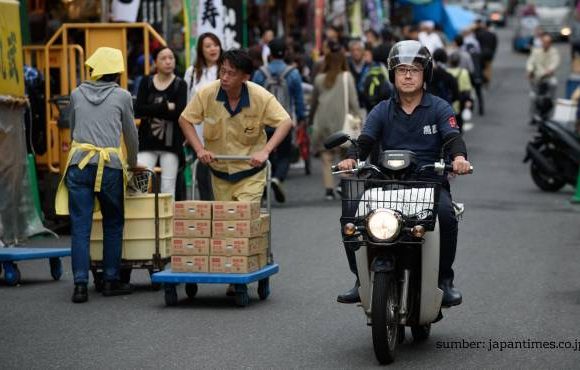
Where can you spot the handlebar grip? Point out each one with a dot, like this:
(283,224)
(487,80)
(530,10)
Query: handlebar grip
(449,168)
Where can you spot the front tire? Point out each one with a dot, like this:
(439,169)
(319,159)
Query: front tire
(545,181)
(385,318)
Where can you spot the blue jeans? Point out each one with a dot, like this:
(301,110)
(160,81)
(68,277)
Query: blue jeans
(80,184)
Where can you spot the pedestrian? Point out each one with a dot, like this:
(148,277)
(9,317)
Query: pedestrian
(541,67)
(160,100)
(464,103)
(488,43)
(358,67)
(429,37)
(376,85)
(267,36)
(415,120)
(465,60)
(285,83)
(203,71)
(372,37)
(328,110)
(234,112)
(100,113)
(442,84)
(575,36)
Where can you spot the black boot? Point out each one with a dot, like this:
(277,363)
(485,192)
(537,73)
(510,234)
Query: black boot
(113,288)
(351,296)
(451,296)
(80,295)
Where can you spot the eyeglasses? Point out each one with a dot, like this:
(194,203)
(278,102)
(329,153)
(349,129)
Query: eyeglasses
(402,71)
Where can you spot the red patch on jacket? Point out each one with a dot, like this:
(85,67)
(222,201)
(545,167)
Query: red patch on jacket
(453,122)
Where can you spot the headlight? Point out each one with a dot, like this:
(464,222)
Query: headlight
(566,31)
(384,224)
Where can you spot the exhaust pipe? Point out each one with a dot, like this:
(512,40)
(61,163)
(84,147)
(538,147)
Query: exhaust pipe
(541,161)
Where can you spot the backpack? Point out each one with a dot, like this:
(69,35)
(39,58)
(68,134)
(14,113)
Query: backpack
(278,86)
(376,87)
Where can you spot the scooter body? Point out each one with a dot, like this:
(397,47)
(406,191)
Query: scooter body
(554,155)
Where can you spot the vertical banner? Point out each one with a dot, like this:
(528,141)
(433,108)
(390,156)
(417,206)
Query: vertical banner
(356,18)
(210,17)
(11,64)
(318,23)
(190,29)
(233,24)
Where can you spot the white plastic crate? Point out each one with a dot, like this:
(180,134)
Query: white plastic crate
(137,229)
(134,250)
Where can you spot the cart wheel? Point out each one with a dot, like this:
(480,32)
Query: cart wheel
(98,280)
(154,286)
(242,298)
(125,275)
(55,268)
(191,290)
(170,295)
(264,288)
(11,273)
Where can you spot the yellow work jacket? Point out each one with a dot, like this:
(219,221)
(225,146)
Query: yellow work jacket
(61,201)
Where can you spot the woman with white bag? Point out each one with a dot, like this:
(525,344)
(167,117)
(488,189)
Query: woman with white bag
(334,108)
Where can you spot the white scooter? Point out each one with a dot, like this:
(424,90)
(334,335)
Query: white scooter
(391,223)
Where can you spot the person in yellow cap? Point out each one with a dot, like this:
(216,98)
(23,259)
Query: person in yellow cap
(96,168)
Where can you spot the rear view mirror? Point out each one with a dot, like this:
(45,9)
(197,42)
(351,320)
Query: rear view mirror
(336,139)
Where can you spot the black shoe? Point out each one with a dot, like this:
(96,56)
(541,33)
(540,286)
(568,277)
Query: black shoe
(113,288)
(279,193)
(451,296)
(329,195)
(351,296)
(80,295)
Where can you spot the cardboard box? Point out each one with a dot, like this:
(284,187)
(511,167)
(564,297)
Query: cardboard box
(236,229)
(189,263)
(193,210)
(238,246)
(192,228)
(233,264)
(236,210)
(190,247)
(265,223)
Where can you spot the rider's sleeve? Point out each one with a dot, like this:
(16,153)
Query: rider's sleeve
(449,130)
(457,146)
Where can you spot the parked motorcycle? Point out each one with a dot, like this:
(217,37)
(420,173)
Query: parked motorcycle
(390,221)
(555,156)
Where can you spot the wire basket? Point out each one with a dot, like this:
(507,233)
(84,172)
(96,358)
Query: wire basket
(416,201)
(139,182)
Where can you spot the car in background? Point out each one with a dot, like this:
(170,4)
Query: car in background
(492,11)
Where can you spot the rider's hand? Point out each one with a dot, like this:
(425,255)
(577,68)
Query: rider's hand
(460,165)
(259,158)
(205,156)
(346,164)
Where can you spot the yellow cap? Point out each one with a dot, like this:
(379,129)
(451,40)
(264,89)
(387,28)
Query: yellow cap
(105,61)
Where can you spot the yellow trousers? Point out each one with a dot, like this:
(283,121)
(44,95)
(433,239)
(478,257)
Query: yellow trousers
(249,189)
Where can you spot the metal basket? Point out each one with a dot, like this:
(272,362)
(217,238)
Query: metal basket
(416,201)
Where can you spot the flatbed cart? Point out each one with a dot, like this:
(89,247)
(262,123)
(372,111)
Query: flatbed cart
(8,257)
(154,264)
(171,280)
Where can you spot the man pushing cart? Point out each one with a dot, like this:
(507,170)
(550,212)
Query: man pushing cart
(234,112)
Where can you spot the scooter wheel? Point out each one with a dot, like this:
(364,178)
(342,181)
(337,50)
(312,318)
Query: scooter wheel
(545,181)
(421,332)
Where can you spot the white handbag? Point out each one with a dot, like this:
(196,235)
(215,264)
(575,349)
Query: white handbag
(352,124)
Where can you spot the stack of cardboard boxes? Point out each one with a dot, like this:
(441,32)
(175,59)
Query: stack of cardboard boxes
(220,237)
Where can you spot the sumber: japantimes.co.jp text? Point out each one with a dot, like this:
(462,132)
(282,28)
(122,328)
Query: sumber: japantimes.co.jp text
(501,345)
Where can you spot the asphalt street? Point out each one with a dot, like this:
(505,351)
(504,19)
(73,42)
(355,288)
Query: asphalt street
(517,266)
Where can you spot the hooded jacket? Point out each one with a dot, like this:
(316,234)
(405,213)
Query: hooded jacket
(100,112)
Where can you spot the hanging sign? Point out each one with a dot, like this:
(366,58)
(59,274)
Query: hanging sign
(11,64)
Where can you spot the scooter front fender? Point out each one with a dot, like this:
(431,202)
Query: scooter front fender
(383,264)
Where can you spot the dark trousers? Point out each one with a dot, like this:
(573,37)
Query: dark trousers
(479,93)
(280,158)
(203,180)
(80,184)
(448,231)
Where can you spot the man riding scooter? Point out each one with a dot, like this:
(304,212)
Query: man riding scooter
(420,122)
